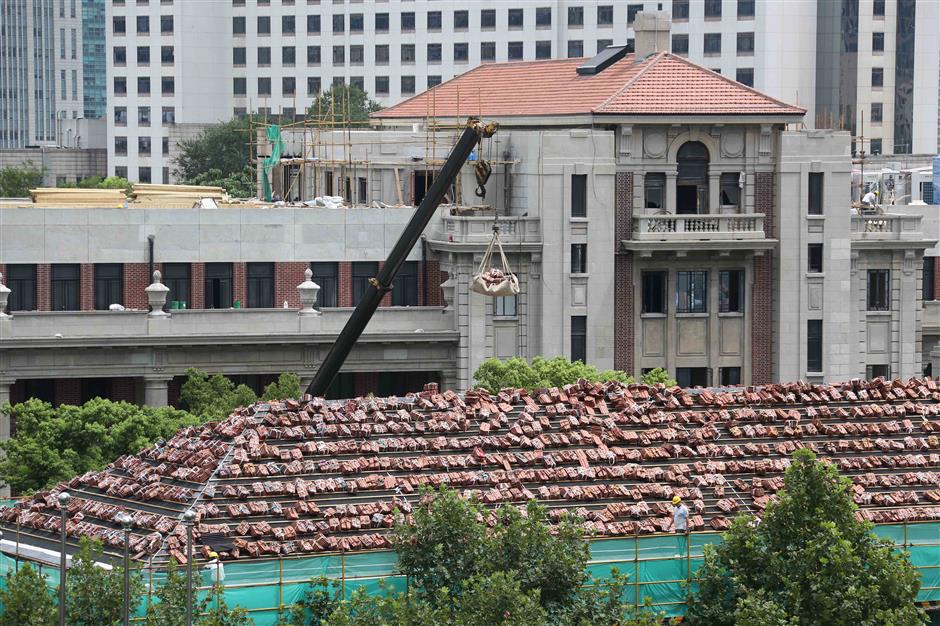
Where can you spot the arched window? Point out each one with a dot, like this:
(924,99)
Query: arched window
(692,179)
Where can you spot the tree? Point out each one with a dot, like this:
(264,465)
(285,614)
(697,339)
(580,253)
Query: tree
(15,182)
(55,444)
(217,153)
(287,385)
(558,371)
(344,102)
(809,561)
(213,396)
(239,184)
(99,182)
(95,594)
(26,600)
(170,607)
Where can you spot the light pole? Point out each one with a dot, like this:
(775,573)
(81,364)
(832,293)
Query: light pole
(189,517)
(127,523)
(64,498)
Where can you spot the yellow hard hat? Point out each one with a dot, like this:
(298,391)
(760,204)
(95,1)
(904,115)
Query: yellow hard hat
(213,555)
(676,499)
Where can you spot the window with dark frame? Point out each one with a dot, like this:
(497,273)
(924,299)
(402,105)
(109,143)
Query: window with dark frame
(713,8)
(339,23)
(21,281)
(407,85)
(877,42)
(877,77)
(579,338)
(434,53)
(356,23)
(313,24)
(731,291)
(381,22)
(461,52)
(109,285)
(632,10)
(260,285)
(238,25)
(407,53)
(218,286)
(326,275)
(514,51)
(66,285)
(878,8)
(680,44)
(288,25)
(263,25)
(745,8)
(712,43)
(654,190)
(745,43)
(515,18)
(143,24)
(814,260)
(408,22)
(579,258)
(814,346)
(729,376)
(575,16)
(504,306)
(313,85)
(877,371)
(579,195)
(814,200)
(313,55)
(729,191)
(877,112)
(488,19)
(177,277)
(405,285)
(654,291)
(928,277)
(575,48)
(434,20)
(487,50)
(288,55)
(745,76)
(879,290)
(680,10)
(461,20)
(605,15)
(543,49)
(692,292)
(543,16)
(362,271)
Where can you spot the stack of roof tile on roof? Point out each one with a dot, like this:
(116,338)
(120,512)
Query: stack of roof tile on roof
(660,84)
(319,475)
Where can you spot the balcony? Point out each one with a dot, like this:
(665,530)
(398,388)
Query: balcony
(473,232)
(887,231)
(671,232)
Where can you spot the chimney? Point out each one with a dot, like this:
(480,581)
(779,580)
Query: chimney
(651,30)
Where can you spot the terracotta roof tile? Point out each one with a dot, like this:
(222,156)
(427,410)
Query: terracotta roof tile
(661,84)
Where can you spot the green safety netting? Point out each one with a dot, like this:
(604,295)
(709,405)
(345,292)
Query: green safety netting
(659,568)
(273,135)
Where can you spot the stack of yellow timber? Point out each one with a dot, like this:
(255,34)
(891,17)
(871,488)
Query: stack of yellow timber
(173,196)
(67,198)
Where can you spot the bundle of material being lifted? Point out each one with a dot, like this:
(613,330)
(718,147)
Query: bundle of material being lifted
(148,195)
(72,198)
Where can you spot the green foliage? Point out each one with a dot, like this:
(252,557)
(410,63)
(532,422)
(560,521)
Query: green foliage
(216,153)
(215,612)
(26,600)
(15,182)
(517,373)
(809,562)
(98,182)
(344,102)
(96,595)
(287,385)
(213,397)
(54,444)
(169,609)
(238,184)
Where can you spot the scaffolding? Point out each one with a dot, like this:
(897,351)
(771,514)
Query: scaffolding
(659,568)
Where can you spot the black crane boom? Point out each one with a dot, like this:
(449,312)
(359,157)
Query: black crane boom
(382,283)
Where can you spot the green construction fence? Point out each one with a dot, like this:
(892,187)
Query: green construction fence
(659,567)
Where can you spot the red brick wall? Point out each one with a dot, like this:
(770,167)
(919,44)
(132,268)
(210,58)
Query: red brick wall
(239,284)
(44,287)
(936,278)
(124,388)
(433,295)
(623,274)
(344,297)
(365,383)
(387,298)
(68,391)
(286,278)
(762,337)
(136,279)
(86,294)
(197,290)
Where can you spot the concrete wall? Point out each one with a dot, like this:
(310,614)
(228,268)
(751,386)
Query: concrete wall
(58,164)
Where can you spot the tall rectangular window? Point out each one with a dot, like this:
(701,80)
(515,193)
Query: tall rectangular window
(692,292)
(109,285)
(814,346)
(407,53)
(264,24)
(731,291)
(166,24)
(434,20)
(218,285)
(21,280)
(879,290)
(877,112)
(654,292)
(313,24)
(877,42)
(356,23)
(654,190)
(488,19)
(362,271)
(405,285)
(579,195)
(65,287)
(543,16)
(713,8)
(579,338)
(408,22)
(929,276)
(878,8)
(575,16)
(260,285)
(579,258)
(712,43)
(238,25)
(680,10)
(745,43)
(877,77)
(730,190)
(680,44)
(814,201)
(487,50)
(177,277)
(461,52)
(461,20)
(515,18)
(326,275)
(504,306)
(814,261)
(632,10)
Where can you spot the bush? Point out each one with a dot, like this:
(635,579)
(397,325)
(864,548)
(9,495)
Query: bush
(26,600)
(558,371)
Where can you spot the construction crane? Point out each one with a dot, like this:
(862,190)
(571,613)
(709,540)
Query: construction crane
(474,132)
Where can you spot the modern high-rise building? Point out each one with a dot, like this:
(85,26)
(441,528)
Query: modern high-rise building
(94,58)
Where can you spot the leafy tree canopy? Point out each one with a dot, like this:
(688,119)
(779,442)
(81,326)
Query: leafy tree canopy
(558,371)
(344,102)
(99,182)
(15,182)
(55,444)
(170,606)
(218,152)
(462,572)
(287,385)
(95,594)
(809,562)
(26,600)
(213,396)
(238,184)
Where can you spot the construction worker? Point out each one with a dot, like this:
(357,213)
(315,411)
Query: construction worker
(215,569)
(870,199)
(680,515)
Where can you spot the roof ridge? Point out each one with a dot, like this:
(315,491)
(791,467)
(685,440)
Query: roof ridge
(650,63)
(732,82)
(377,114)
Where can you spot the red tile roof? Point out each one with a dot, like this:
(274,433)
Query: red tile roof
(662,84)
